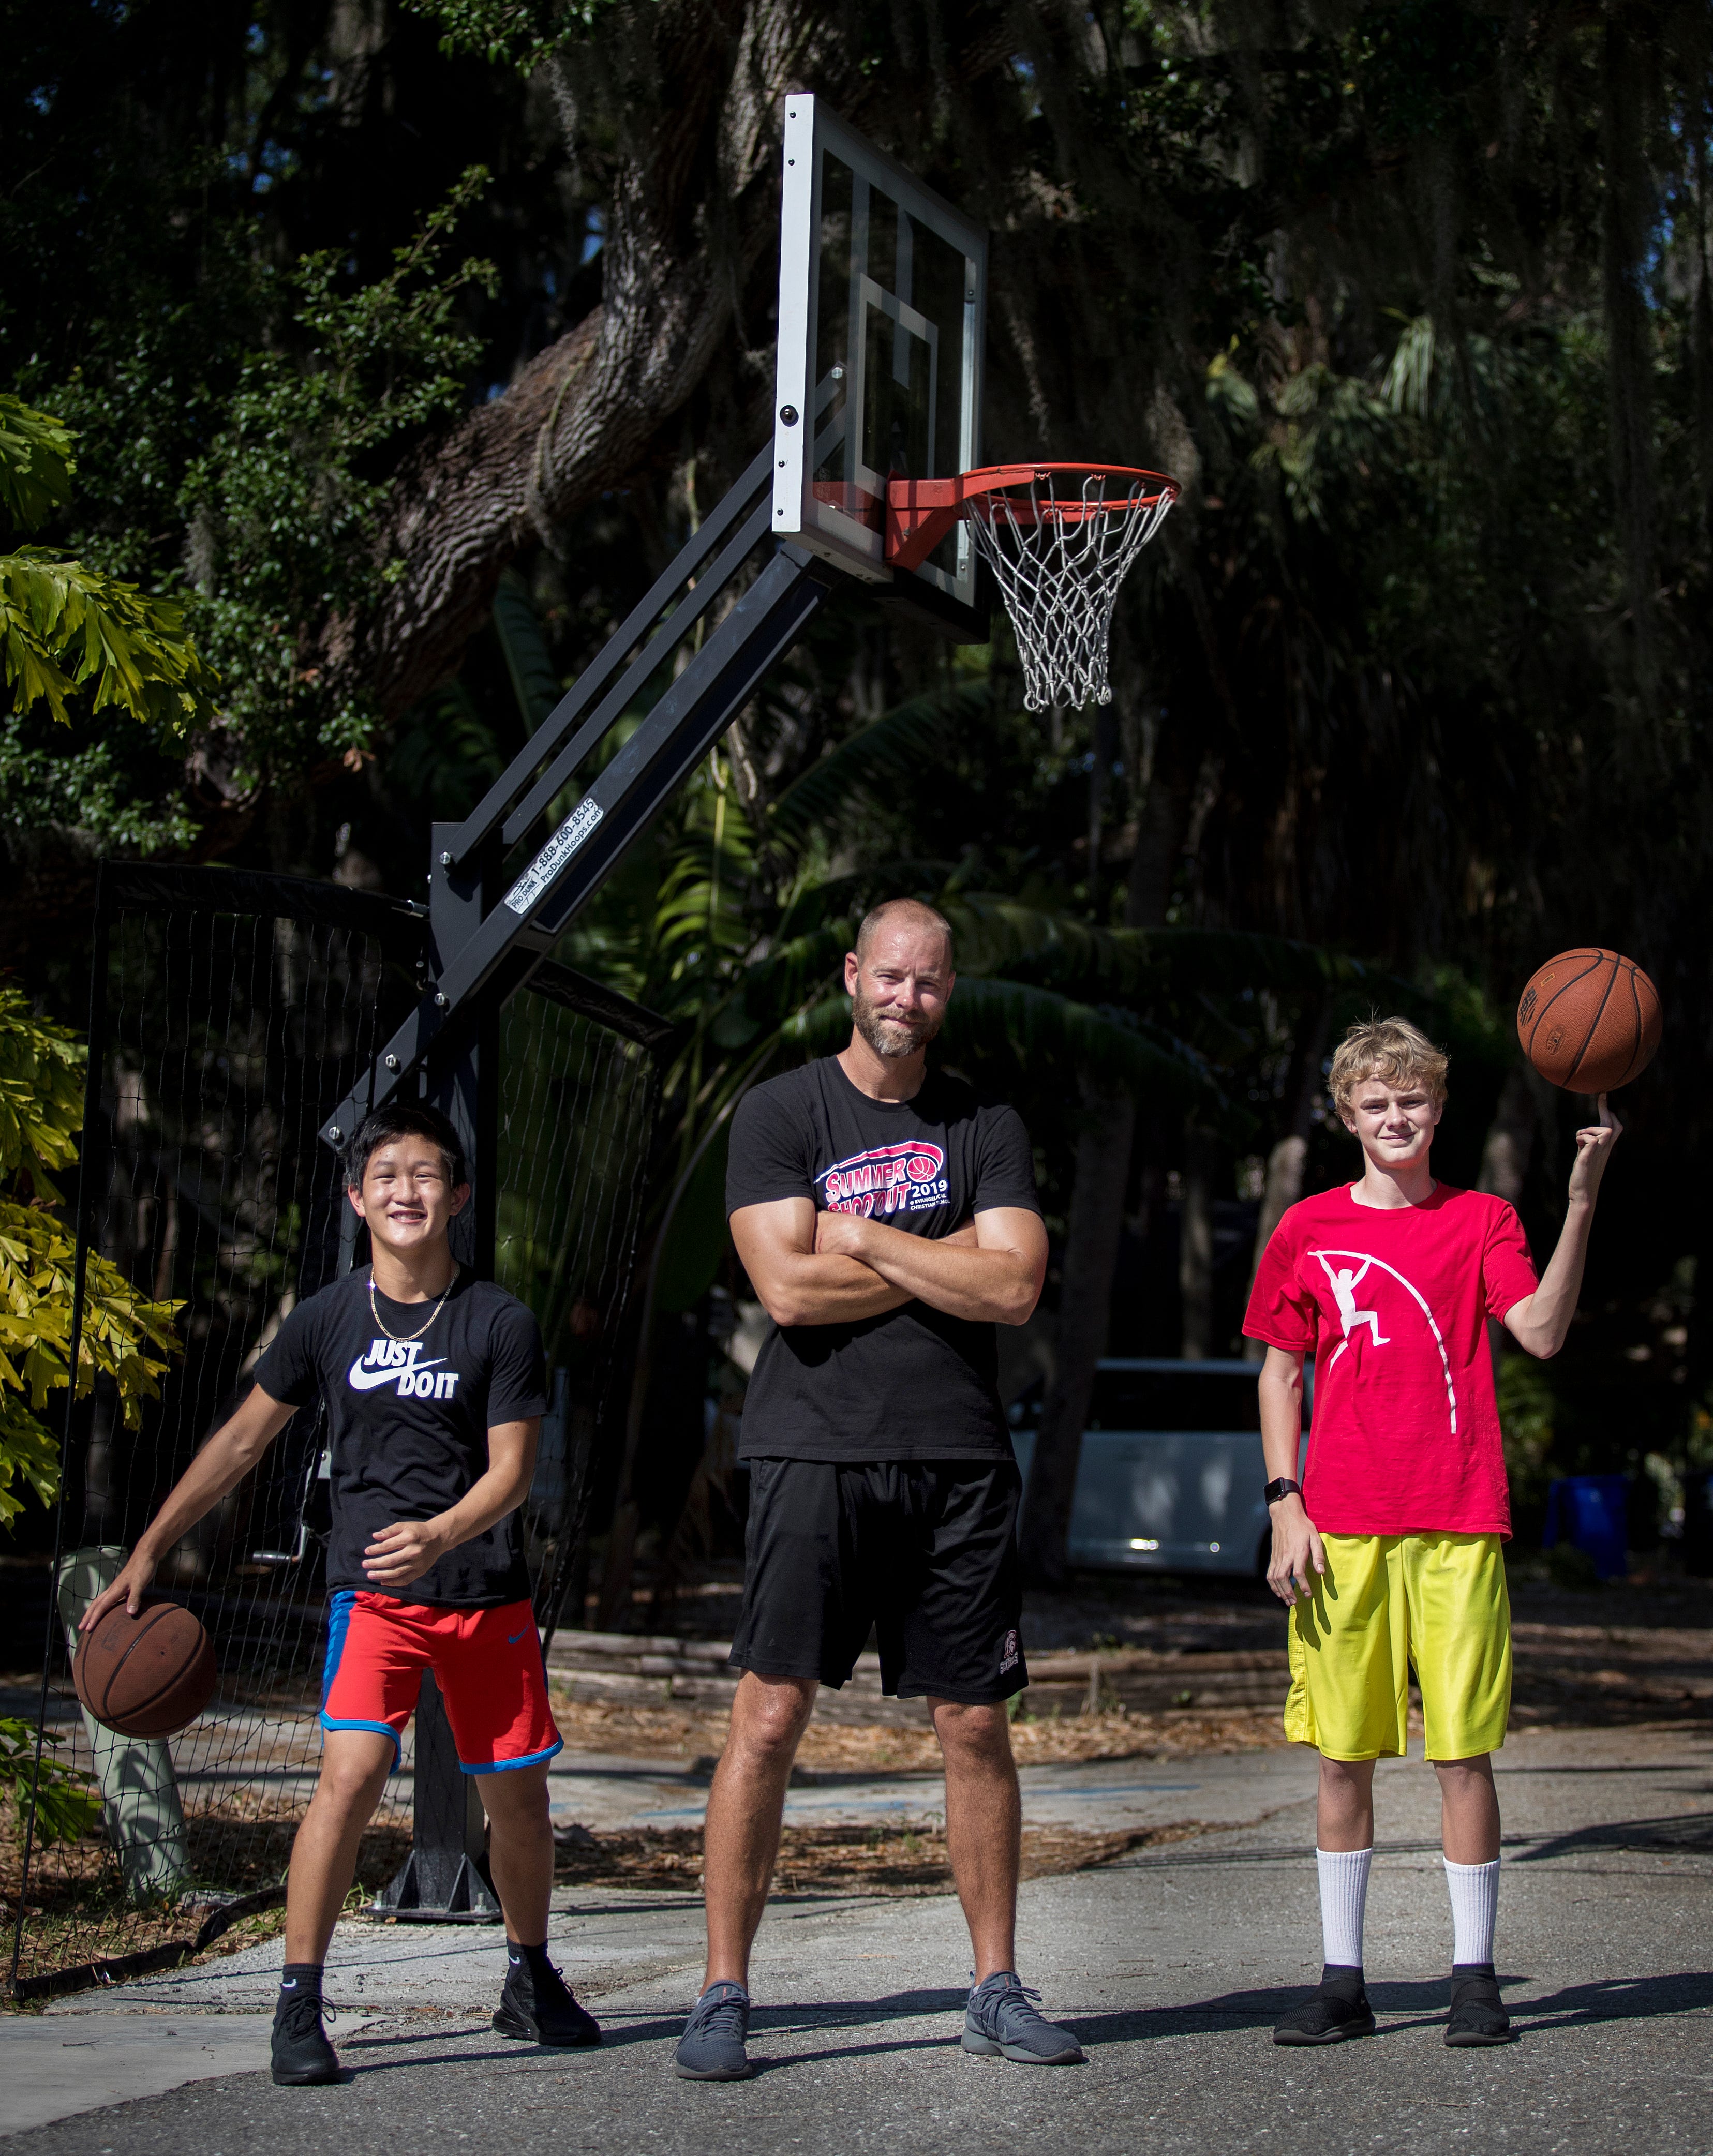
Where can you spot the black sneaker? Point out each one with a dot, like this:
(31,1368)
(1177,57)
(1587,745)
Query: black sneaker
(1478,2014)
(1336,2012)
(536,2007)
(302,2055)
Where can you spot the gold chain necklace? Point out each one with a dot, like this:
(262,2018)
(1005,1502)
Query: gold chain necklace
(374,1308)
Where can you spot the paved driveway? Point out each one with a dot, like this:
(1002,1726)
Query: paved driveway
(1171,1964)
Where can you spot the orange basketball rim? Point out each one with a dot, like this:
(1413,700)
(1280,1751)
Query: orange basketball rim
(1060,539)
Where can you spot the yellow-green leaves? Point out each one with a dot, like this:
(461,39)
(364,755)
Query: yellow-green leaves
(127,1337)
(66,627)
(35,463)
(41,1096)
(59,1802)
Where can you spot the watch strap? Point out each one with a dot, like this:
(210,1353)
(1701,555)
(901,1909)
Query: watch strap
(1284,1487)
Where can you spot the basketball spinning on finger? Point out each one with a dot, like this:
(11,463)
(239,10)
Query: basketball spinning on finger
(1589,1020)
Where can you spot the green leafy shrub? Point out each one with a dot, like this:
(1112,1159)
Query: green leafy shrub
(66,628)
(60,1801)
(126,1336)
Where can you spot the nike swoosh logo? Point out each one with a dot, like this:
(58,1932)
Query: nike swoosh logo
(512,1637)
(363,1380)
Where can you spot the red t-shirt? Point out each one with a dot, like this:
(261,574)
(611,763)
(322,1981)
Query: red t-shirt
(1392,1305)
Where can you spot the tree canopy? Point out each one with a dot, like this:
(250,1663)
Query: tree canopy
(402,344)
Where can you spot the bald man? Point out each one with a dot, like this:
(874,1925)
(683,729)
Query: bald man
(888,1222)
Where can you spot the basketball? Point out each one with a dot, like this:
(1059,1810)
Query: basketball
(146,1675)
(1589,1020)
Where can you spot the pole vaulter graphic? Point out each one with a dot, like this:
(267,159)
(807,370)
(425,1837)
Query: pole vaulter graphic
(1344,1286)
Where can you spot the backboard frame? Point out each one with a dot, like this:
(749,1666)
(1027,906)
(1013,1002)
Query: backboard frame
(809,416)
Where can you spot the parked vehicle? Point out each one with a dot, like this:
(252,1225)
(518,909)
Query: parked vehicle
(1171,1475)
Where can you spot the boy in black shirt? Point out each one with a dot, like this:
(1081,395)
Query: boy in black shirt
(435,1388)
(888,1221)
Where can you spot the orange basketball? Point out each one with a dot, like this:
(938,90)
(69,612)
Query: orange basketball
(1589,1020)
(148,1676)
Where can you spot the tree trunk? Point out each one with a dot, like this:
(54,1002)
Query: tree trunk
(1289,1157)
(1195,1244)
(1510,1138)
(1505,1160)
(580,416)
(1085,1303)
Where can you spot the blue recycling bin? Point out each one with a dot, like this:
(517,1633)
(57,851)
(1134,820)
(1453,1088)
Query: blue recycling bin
(1591,1511)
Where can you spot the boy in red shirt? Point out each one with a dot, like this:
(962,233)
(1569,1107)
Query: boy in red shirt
(1388,1553)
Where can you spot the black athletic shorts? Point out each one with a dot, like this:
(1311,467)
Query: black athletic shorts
(925,1551)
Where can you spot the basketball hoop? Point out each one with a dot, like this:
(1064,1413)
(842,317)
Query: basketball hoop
(1060,538)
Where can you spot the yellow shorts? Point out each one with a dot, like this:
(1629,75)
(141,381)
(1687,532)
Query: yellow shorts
(1385,1602)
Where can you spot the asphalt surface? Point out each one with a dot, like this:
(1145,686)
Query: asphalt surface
(1171,1965)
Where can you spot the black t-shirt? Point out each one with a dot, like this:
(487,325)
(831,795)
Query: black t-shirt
(409,1420)
(914,1384)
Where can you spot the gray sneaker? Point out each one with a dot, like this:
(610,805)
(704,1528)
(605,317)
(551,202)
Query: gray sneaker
(1001,2023)
(712,2047)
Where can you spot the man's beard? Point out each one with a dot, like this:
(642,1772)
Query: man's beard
(890,1039)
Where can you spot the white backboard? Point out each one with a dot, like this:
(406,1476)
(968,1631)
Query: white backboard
(883,314)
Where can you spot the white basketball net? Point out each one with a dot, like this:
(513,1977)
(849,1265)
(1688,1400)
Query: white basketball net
(1060,560)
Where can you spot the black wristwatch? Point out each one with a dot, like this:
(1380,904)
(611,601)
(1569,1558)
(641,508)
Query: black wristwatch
(1282,1488)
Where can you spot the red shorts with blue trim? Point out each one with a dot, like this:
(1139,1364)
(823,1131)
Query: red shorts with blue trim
(486,1662)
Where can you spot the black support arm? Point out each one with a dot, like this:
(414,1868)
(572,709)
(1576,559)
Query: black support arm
(625,799)
(734,509)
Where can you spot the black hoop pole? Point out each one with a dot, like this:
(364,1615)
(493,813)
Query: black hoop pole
(446,1877)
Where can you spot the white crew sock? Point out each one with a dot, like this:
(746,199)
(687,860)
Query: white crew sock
(1474,1904)
(1343,1897)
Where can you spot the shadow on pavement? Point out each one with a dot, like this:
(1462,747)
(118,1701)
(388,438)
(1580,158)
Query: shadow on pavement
(1653,1770)
(1235,2010)
(1617,1999)
(1690,1831)
(616,2031)
(1621,1998)
(1420,2004)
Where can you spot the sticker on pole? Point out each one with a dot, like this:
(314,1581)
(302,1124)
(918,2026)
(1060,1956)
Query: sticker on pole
(531,885)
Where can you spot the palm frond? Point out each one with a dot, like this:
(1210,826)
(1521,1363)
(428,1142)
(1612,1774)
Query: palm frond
(1215,960)
(445,754)
(1110,1046)
(1011,1018)
(822,1028)
(528,661)
(794,967)
(699,923)
(997,935)
(818,897)
(877,764)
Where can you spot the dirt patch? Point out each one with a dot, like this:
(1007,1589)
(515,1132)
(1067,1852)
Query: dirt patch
(1637,1650)
(684,1735)
(77,1910)
(837,1859)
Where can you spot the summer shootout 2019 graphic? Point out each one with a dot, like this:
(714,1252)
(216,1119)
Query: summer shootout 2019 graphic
(896,1179)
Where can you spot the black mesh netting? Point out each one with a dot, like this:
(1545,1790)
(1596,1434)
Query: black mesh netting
(229,1035)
